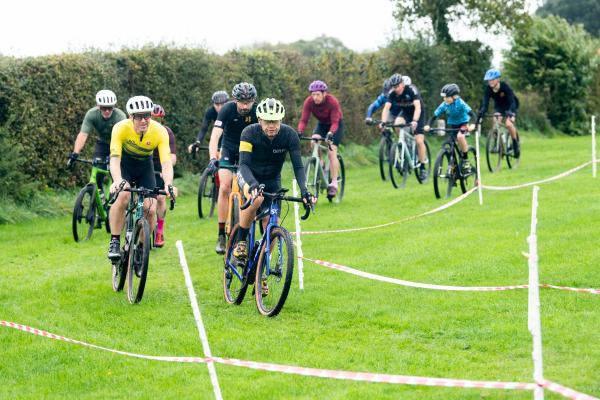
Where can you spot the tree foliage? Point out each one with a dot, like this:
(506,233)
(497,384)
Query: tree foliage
(555,59)
(308,48)
(586,12)
(494,15)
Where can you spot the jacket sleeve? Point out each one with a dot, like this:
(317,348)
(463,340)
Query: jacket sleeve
(305,115)
(246,159)
(336,114)
(296,157)
(377,104)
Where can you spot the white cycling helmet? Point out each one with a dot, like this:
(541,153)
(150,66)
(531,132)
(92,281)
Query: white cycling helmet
(106,98)
(406,80)
(139,104)
(270,110)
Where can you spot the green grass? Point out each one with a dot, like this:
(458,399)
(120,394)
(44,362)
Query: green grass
(339,321)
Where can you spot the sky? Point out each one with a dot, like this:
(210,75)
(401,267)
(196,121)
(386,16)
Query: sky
(33,28)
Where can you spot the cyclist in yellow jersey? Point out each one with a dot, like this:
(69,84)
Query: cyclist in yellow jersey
(131,146)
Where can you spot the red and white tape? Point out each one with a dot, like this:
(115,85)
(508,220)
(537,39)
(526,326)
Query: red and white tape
(395,281)
(553,178)
(565,391)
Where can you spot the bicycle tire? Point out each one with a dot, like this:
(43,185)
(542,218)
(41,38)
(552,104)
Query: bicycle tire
(313,178)
(511,160)
(84,213)
(206,205)
(279,276)
(494,151)
(119,270)
(384,156)
(398,167)
(341,180)
(443,173)
(427,165)
(472,176)
(137,265)
(234,288)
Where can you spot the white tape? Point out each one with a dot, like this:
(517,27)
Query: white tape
(553,178)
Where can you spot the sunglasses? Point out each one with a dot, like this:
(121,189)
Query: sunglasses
(106,108)
(139,117)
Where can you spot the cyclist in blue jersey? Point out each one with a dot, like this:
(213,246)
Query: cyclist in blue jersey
(458,115)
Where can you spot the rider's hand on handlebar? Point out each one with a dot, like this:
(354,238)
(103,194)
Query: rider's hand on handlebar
(329,137)
(169,189)
(72,157)
(115,186)
(413,126)
(213,165)
(369,121)
(308,199)
(427,128)
(471,127)
(193,148)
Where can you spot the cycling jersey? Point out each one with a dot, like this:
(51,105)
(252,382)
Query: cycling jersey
(329,112)
(504,99)
(93,122)
(210,116)
(261,158)
(405,101)
(156,159)
(457,113)
(125,139)
(233,123)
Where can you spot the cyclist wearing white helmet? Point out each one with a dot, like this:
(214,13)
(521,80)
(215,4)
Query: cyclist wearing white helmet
(100,121)
(131,146)
(263,149)
(219,98)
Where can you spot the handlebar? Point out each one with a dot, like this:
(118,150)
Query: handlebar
(142,190)
(195,152)
(280,195)
(388,124)
(319,139)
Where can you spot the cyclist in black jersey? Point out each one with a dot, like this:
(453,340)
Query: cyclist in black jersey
(263,149)
(219,98)
(505,104)
(232,119)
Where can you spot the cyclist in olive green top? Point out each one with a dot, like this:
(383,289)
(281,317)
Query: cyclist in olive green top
(99,120)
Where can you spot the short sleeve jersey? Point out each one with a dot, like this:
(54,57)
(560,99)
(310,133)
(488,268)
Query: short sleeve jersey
(405,100)
(125,139)
(172,146)
(233,123)
(93,122)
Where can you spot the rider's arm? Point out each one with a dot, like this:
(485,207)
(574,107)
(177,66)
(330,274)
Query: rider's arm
(115,169)
(306,107)
(205,124)
(336,113)
(87,127)
(486,100)
(246,160)
(296,157)
(80,142)
(436,114)
(386,111)
(417,113)
(213,146)
(510,98)
(376,105)
(172,145)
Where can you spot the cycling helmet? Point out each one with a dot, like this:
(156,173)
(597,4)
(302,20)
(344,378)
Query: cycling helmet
(406,79)
(220,97)
(244,91)
(158,111)
(139,104)
(317,86)
(106,98)
(491,74)
(450,90)
(395,80)
(270,110)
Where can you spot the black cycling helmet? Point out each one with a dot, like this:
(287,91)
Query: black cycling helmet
(395,80)
(220,97)
(244,91)
(450,90)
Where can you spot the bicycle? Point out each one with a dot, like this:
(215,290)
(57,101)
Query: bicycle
(448,165)
(135,252)
(208,190)
(270,261)
(499,145)
(385,145)
(91,206)
(316,172)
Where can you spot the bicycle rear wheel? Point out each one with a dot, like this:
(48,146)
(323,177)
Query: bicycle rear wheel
(84,213)
(384,156)
(493,151)
(137,266)
(468,180)
(444,172)
(511,160)
(206,195)
(421,179)
(234,284)
(398,166)
(313,178)
(274,276)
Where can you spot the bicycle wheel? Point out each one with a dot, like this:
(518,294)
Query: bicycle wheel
(493,151)
(137,266)
(206,203)
(341,179)
(511,160)
(469,179)
(421,179)
(273,279)
(84,213)
(444,173)
(119,270)
(234,284)
(313,178)
(384,155)
(398,166)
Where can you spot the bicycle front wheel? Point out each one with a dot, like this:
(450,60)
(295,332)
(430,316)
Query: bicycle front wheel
(511,160)
(398,166)
(420,178)
(139,254)
(234,284)
(384,156)
(84,213)
(274,273)
(341,179)
(468,178)
(444,171)
(119,270)
(493,151)
(206,195)
(313,178)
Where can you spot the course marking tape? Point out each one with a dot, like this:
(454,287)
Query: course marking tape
(553,178)
(395,281)
(565,391)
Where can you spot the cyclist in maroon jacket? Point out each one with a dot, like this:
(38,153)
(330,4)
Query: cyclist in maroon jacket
(326,108)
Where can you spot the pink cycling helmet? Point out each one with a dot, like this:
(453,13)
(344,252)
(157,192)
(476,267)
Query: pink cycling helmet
(158,111)
(317,86)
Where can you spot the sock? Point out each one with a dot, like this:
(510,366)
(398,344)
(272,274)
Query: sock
(118,237)
(160,225)
(465,156)
(221,228)
(242,234)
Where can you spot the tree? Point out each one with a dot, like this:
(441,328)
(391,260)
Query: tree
(554,59)
(494,15)
(308,48)
(586,12)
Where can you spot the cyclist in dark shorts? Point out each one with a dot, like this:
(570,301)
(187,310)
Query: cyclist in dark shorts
(232,119)
(99,120)
(381,100)
(263,149)
(505,104)
(326,108)
(161,202)
(412,111)
(132,143)
(219,98)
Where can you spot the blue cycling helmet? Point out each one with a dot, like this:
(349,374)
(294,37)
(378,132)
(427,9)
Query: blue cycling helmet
(491,74)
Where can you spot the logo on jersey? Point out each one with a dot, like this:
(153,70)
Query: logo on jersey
(148,143)
(218,123)
(277,151)
(248,119)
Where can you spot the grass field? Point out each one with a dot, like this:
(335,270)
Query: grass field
(339,321)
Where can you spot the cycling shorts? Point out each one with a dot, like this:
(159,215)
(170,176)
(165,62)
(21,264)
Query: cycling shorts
(229,158)
(139,172)
(322,130)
